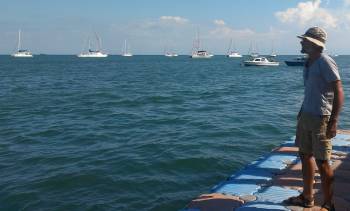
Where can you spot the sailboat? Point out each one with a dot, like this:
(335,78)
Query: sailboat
(252,52)
(93,53)
(169,53)
(197,53)
(20,52)
(126,50)
(273,53)
(234,53)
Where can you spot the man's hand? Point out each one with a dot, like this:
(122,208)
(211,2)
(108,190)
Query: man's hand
(331,129)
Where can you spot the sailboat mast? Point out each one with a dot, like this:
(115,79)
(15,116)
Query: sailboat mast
(229,48)
(99,42)
(89,43)
(198,41)
(19,40)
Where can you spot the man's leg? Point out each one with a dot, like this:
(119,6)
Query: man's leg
(308,170)
(327,178)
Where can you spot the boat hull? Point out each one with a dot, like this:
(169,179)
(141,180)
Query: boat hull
(171,55)
(127,55)
(22,56)
(294,63)
(234,56)
(249,63)
(92,56)
(201,57)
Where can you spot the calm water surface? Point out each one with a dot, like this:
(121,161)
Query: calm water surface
(140,133)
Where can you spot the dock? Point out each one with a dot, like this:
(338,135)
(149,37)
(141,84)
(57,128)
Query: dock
(266,182)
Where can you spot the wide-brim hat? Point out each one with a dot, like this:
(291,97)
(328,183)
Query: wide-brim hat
(315,35)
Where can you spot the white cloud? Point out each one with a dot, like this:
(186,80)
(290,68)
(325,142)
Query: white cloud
(219,22)
(308,13)
(224,31)
(173,19)
(346,3)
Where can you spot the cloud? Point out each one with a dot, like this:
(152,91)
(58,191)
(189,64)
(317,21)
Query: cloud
(308,13)
(223,31)
(219,22)
(173,19)
(346,3)
(161,23)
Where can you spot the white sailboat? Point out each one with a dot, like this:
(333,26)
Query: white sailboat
(197,53)
(20,52)
(169,53)
(234,53)
(93,53)
(273,53)
(126,52)
(252,52)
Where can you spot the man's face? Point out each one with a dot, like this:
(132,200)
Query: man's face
(307,47)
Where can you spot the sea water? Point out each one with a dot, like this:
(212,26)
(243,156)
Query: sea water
(138,133)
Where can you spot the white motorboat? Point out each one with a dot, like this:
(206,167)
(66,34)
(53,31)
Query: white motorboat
(260,61)
(126,51)
(93,53)
(20,52)
(197,52)
(234,53)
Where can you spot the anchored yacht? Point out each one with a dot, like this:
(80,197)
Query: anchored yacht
(197,52)
(20,52)
(260,61)
(126,51)
(234,53)
(170,54)
(201,54)
(93,53)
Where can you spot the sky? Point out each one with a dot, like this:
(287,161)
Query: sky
(150,26)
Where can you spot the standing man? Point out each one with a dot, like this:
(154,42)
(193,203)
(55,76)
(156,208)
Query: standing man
(317,119)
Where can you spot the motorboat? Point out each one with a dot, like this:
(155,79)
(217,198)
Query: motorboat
(20,52)
(260,61)
(298,61)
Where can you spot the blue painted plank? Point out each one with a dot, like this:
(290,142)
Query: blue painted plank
(256,206)
(236,188)
(275,194)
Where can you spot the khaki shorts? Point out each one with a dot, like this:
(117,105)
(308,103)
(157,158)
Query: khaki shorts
(311,136)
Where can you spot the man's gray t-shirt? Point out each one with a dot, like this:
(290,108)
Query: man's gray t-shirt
(318,99)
